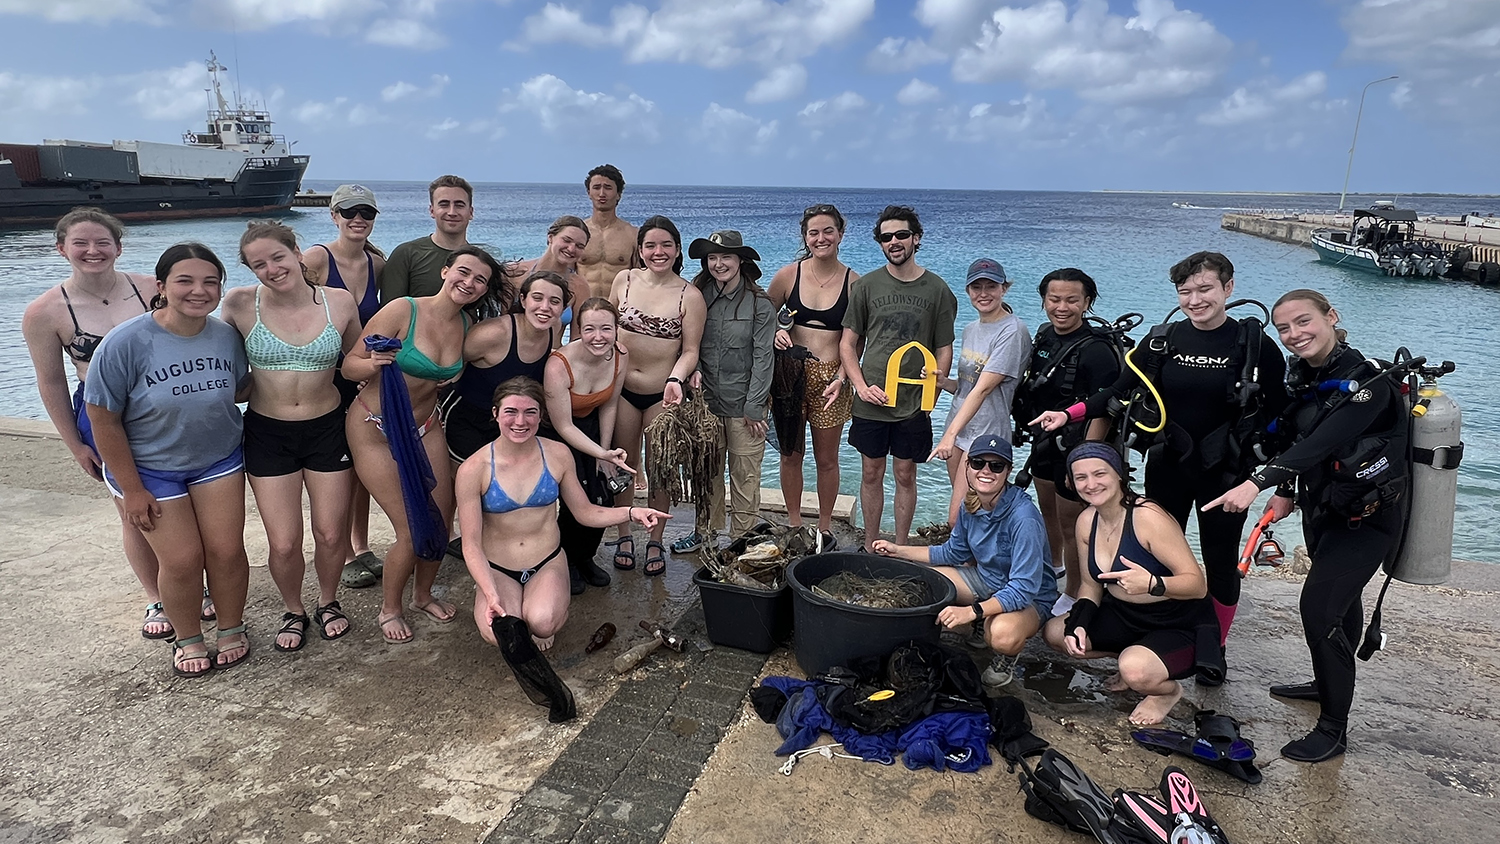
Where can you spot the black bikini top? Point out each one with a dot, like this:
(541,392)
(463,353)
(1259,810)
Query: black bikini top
(831,319)
(81,347)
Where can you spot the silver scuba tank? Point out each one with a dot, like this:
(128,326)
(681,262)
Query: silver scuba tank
(1437,449)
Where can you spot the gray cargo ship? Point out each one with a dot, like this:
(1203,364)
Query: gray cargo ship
(237,166)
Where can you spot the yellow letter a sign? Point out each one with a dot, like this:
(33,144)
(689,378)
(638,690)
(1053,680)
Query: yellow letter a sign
(893,379)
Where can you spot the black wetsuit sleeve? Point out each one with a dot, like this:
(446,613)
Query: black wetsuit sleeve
(1097,368)
(1347,423)
(1274,397)
(1097,405)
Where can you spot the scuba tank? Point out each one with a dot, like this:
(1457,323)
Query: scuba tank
(1437,448)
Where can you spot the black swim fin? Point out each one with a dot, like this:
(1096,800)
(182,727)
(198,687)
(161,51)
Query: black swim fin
(1086,802)
(1222,732)
(1145,815)
(531,669)
(1167,742)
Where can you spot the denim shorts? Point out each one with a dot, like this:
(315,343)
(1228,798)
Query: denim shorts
(970,573)
(166,486)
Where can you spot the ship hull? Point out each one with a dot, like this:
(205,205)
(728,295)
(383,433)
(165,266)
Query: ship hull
(258,189)
(1344,255)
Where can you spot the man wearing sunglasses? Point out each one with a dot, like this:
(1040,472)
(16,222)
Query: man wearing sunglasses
(897,304)
(997,557)
(415,268)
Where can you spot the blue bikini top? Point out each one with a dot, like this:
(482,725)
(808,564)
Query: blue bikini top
(496,501)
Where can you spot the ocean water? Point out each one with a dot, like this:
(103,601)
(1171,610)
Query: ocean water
(1126,241)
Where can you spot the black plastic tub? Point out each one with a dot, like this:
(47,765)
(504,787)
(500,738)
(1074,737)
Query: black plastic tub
(830,633)
(739,617)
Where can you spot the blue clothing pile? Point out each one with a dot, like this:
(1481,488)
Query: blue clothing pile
(429,530)
(942,741)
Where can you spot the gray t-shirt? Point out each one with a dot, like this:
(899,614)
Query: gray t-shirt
(175,395)
(1004,347)
(887,314)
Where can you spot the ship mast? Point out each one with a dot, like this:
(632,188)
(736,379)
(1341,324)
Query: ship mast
(213,71)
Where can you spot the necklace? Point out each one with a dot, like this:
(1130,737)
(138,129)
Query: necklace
(113,284)
(823,285)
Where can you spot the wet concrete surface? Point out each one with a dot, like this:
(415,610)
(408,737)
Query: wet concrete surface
(358,741)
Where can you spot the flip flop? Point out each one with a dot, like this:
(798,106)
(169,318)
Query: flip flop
(383,620)
(156,615)
(427,608)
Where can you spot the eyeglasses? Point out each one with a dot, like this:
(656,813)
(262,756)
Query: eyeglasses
(887,237)
(815,210)
(364,212)
(996,466)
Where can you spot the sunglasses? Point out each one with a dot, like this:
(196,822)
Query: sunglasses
(815,210)
(996,466)
(887,237)
(364,212)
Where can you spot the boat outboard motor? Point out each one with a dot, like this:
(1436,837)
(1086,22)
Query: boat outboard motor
(1426,555)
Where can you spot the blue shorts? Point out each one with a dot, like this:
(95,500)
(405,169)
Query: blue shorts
(81,420)
(970,573)
(166,486)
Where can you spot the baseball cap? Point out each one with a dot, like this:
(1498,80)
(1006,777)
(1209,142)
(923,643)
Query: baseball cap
(988,269)
(350,196)
(995,445)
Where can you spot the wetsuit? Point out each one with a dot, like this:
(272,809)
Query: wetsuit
(1064,369)
(1192,467)
(1183,633)
(1347,547)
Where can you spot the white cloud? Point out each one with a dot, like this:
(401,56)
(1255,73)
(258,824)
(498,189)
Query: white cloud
(917,92)
(1257,102)
(319,113)
(403,90)
(900,55)
(782,83)
(842,104)
(412,34)
(736,32)
(364,115)
(562,109)
(988,123)
(84,11)
(25,93)
(1160,53)
(440,130)
(725,129)
(172,94)
(1445,51)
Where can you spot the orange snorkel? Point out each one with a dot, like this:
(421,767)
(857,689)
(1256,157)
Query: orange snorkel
(1261,547)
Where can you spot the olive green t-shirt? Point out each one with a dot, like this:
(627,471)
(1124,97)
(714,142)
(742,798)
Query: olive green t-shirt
(888,314)
(415,268)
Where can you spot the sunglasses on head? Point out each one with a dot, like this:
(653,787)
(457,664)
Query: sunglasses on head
(815,210)
(887,237)
(996,466)
(364,212)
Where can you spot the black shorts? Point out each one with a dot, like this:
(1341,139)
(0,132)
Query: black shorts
(1168,629)
(276,447)
(467,426)
(1048,464)
(909,439)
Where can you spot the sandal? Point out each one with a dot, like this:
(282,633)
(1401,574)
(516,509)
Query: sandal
(628,556)
(385,634)
(361,572)
(243,646)
(208,613)
(655,565)
(688,544)
(294,624)
(325,615)
(180,655)
(156,615)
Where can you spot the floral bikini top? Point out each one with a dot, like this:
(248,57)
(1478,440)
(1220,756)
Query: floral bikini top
(636,321)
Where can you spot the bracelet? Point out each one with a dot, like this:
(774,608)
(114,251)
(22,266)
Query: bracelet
(629,514)
(1075,413)
(671,378)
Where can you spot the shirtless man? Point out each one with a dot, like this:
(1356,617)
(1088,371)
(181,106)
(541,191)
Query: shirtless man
(612,243)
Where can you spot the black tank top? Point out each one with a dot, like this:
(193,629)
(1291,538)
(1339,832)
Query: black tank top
(1130,548)
(831,319)
(477,383)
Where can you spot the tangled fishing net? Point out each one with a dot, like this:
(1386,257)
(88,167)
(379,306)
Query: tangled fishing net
(758,560)
(788,392)
(684,453)
(886,593)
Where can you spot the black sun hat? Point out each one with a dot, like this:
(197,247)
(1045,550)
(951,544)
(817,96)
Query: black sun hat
(728,240)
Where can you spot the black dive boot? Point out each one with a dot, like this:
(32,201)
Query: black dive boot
(532,671)
(575,580)
(1327,740)
(1296,691)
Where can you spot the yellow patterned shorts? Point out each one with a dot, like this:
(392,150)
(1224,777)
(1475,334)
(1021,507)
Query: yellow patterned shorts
(819,375)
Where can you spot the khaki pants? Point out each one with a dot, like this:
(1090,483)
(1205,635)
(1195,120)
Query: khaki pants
(745,451)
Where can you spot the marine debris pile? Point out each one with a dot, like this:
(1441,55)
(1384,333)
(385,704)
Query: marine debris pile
(758,560)
(684,451)
(881,593)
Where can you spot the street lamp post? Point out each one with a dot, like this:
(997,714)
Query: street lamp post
(1357,118)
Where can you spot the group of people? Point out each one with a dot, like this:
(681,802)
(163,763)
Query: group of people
(444,382)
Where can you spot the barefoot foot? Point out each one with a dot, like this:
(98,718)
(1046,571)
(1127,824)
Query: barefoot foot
(1155,708)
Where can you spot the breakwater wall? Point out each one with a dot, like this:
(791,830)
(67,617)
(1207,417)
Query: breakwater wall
(1298,228)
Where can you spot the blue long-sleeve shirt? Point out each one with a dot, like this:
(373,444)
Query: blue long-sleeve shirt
(1009,544)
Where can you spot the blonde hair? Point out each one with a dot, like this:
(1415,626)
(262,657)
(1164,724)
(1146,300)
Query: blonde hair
(1317,300)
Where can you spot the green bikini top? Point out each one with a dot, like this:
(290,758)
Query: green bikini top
(413,362)
(268,352)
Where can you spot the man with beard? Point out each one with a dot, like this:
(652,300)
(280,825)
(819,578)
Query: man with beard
(897,304)
(415,267)
(611,239)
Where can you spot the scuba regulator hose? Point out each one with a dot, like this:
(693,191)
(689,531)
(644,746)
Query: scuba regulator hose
(1156,396)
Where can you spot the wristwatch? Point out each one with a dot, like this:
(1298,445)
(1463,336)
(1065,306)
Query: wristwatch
(978,608)
(1158,586)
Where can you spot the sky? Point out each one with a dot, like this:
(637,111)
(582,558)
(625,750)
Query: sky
(1213,95)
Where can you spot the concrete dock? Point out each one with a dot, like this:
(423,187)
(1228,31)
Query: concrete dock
(1292,227)
(358,741)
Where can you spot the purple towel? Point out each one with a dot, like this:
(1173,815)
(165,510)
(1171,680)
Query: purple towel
(429,530)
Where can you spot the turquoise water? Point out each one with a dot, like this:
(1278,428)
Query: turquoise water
(1125,241)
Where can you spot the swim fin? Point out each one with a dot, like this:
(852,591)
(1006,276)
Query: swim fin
(532,671)
(1144,814)
(1167,742)
(1193,824)
(1085,800)
(1222,732)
